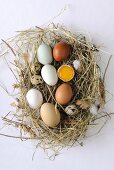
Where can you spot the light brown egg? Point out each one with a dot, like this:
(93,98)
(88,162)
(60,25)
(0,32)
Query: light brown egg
(50,115)
(61,51)
(64,94)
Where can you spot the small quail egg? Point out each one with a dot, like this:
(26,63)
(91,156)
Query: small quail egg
(35,68)
(71,110)
(36,79)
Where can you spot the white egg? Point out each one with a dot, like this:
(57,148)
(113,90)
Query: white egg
(44,54)
(34,98)
(49,74)
(93,109)
(76,64)
(71,110)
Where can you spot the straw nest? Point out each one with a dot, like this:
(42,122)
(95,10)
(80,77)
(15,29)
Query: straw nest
(88,86)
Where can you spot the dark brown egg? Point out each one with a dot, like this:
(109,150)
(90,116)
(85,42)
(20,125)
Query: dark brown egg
(64,94)
(61,51)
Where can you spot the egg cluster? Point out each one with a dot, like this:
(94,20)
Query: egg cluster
(64,92)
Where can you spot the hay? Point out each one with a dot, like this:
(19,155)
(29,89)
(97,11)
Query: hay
(88,86)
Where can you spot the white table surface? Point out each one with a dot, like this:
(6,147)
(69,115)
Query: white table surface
(94,16)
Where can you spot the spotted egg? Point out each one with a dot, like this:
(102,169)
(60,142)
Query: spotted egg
(36,79)
(71,110)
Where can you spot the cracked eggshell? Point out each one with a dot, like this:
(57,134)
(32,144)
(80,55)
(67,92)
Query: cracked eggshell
(76,64)
(93,109)
(44,54)
(34,98)
(49,74)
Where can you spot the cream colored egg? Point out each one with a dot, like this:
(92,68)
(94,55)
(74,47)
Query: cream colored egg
(50,115)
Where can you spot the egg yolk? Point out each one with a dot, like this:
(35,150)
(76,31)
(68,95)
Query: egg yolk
(66,73)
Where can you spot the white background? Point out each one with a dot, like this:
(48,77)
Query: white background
(94,16)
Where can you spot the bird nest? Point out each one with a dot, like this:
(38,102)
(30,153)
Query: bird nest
(87,84)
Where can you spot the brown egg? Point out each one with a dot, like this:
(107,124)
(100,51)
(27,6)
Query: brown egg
(64,94)
(50,115)
(61,51)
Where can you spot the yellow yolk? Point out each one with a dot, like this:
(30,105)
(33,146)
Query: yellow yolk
(66,73)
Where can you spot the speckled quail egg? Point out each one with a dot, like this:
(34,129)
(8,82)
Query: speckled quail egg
(71,110)
(35,68)
(36,79)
